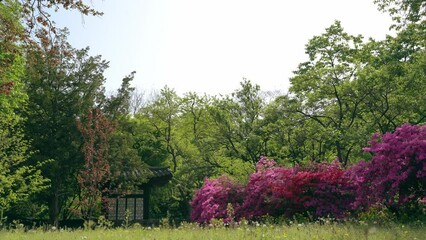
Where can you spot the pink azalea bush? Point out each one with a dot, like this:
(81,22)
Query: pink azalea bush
(260,198)
(396,175)
(321,189)
(333,191)
(395,178)
(211,200)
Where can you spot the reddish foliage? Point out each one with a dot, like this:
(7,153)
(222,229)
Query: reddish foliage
(96,171)
(6,88)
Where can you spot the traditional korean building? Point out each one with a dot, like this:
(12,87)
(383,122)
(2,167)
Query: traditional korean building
(135,205)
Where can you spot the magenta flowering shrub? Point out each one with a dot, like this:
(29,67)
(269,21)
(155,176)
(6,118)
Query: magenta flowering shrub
(260,191)
(211,200)
(333,193)
(396,175)
(264,163)
(294,192)
(394,178)
(322,189)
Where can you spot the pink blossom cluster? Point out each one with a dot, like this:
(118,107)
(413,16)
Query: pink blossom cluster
(212,199)
(275,190)
(322,189)
(395,176)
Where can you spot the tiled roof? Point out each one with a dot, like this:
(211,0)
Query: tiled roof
(160,172)
(161,176)
(156,175)
(152,172)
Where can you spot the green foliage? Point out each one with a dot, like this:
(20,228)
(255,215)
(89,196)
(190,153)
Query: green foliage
(119,104)
(62,84)
(395,79)
(324,88)
(162,115)
(294,139)
(377,215)
(236,123)
(403,11)
(18,180)
(104,223)
(347,90)
(126,143)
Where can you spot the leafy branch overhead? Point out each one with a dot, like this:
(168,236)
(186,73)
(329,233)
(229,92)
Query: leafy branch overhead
(36,13)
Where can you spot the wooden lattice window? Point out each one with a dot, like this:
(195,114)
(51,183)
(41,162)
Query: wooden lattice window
(120,206)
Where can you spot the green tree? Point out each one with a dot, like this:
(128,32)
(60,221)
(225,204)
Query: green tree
(62,83)
(163,114)
(118,104)
(18,179)
(199,158)
(395,78)
(236,123)
(294,138)
(324,87)
(404,11)
(124,155)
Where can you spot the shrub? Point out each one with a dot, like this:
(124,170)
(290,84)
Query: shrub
(392,184)
(396,175)
(333,193)
(260,198)
(211,200)
(321,189)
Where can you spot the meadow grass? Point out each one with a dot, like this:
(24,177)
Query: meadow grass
(191,231)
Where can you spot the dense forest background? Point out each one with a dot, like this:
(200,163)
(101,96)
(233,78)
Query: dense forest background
(64,141)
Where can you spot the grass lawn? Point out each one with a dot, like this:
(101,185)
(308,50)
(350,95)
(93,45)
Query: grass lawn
(191,231)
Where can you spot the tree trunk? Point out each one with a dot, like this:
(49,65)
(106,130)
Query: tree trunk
(54,209)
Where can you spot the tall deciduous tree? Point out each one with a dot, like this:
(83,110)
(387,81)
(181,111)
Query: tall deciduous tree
(62,83)
(118,104)
(124,145)
(294,138)
(236,121)
(395,78)
(17,179)
(163,114)
(324,87)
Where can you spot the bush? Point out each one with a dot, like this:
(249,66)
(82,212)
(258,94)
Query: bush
(211,200)
(392,184)
(396,175)
(260,198)
(319,189)
(333,193)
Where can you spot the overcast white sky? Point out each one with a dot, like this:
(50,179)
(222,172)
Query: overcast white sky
(208,46)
